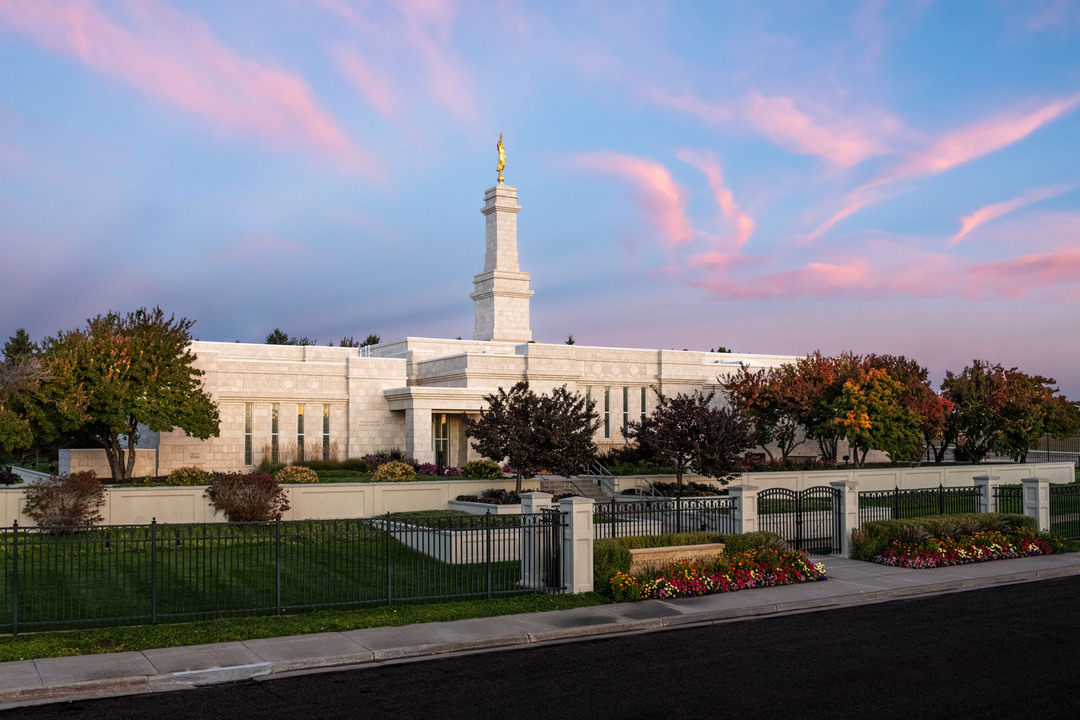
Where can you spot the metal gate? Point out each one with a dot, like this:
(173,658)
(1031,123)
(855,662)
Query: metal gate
(808,519)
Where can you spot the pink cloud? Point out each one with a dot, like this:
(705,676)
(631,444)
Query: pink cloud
(377,88)
(991,212)
(1021,276)
(842,145)
(688,103)
(663,200)
(422,31)
(975,141)
(175,58)
(707,164)
(951,150)
(815,279)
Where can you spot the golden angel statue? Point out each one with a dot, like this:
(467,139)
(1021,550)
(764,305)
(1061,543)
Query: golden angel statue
(502,158)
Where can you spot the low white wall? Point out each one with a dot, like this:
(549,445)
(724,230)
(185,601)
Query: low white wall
(318,501)
(885,478)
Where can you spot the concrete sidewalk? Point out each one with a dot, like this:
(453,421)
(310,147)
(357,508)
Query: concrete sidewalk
(850,583)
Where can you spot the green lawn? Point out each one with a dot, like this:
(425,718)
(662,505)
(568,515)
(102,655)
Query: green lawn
(115,576)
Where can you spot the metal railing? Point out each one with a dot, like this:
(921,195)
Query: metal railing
(1008,499)
(659,516)
(54,578)
(1065,511)
(896,504)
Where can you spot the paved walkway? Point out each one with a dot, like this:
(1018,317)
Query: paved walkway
(850,583)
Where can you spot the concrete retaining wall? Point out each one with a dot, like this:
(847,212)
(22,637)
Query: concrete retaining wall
(321,501)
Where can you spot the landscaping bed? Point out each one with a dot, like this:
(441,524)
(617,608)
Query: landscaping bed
(945,540)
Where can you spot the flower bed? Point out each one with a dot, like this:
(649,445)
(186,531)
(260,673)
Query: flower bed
(980,547)
(724,573)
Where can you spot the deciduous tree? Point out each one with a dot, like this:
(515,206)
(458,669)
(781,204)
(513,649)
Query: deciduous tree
(871,416)
(533,432)
(689,434)
(764,398)
(118,373)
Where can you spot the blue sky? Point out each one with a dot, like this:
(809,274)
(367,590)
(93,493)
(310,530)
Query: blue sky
(890,177)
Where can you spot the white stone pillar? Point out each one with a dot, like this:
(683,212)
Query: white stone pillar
(535,548)
(987,485)
(577,547)
(1037,501)
(418,435)
(849,512)
(746,517)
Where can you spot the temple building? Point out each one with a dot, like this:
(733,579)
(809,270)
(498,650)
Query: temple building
(292,403)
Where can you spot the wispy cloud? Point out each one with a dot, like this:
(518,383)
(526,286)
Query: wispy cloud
(662,199)
(842,145)
(708,165)
(949,151)
(991,212)
(419,33)
(175,58)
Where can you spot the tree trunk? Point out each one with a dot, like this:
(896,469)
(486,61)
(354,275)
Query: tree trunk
(130,469)
(518,476)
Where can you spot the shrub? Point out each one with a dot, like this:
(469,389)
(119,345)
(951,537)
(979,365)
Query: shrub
(255,497)
(873,538)
(432,469)
(189,476)
(382,457)
(394,471)
(66,500)
(493,496)
(8,476)
(355,465)
(268,466)
(296,474)
(482,470)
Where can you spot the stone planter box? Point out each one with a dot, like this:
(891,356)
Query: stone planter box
(646,558)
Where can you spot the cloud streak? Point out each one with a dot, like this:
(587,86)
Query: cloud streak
(707,164)
(660,197)
(949,151)
(992,212)
(175,58)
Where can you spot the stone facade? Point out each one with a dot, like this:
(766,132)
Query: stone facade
(287,402)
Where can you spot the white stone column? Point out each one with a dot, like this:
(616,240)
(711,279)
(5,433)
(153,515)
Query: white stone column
(1037,501)
(418,434)
(501,296)
(535,548)
(849,512)
(987,485)
(577,547)
(746,517)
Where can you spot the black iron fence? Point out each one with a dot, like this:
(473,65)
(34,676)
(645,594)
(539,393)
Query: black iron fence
(657,516)
(1065,511)
(807,519)
(1008,499)
(52,578)
(896,504)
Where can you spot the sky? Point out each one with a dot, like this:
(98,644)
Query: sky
(887,177)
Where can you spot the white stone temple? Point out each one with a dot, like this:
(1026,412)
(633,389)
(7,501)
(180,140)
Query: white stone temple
(290,402)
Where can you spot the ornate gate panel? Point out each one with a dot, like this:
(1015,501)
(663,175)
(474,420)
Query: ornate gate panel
(807,519)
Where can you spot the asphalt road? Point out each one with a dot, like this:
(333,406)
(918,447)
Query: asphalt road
(1003,652)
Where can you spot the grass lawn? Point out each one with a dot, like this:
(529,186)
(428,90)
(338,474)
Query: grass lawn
(123,639)
(111,576)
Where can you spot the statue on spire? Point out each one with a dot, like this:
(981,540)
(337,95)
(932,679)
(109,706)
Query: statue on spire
(502,158)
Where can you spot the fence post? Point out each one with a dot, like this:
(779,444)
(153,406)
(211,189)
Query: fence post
(988,485)
(534,551)
(153,570)
(577,547)
(746,516)
(849,512)
(14,577)
(1037,501)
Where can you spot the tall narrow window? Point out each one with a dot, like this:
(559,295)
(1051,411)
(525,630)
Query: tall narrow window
(325,432)
(642,404)
(300,433)
(248,459)
(274,454)
(607,412)
(625,410)
(440,439)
